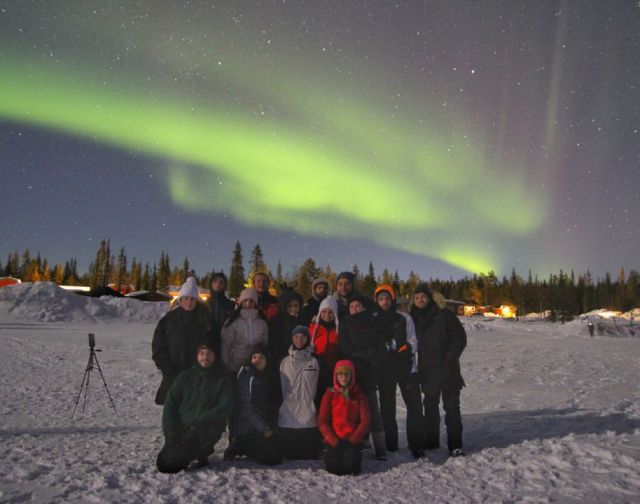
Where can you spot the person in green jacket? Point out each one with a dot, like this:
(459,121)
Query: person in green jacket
(195,412)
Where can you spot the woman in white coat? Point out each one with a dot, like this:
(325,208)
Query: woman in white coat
(243,330)
(301,387)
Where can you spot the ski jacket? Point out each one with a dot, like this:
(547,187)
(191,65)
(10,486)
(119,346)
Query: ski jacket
(281,327)
(199,397)
(441,341)
(401,346)
(344,416)
(221,307)
(240,336)
(299,377)
(252,408)
(175,340)
(324,341)
(362,341)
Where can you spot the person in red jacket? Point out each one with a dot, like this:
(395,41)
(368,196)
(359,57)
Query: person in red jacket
(344,421)
(324,334)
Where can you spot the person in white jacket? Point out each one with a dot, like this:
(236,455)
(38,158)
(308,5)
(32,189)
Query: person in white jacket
(301,387)
(243,330)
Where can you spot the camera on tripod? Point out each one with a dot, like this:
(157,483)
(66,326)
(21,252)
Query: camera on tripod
(93,360)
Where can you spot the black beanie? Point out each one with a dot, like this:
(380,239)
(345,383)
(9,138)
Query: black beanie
(424,289)
(349,276)
(219,274)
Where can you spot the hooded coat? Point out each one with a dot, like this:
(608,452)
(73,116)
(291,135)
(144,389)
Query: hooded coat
(324,336)
(344,416)
(299,378)
(175,341)
(221,307)
(283,324)
(199,397)
(311,309)
(362,341)
(252,411)
(239,335)
(441,341)
(400,343)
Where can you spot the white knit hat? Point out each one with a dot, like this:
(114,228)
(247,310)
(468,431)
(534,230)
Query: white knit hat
(189,289)
(249,293)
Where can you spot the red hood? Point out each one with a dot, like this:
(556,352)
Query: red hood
(350,365)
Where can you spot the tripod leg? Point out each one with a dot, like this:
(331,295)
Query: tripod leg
(86,390)
(105,384)
(84,378)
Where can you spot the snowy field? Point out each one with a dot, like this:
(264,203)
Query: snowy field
(550,415)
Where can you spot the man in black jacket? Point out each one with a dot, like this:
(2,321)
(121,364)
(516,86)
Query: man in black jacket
(177,335)
(399,369)
(219,304)
(319,290)
(441,340)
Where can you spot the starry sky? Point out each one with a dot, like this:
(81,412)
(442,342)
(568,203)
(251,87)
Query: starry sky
(440,137)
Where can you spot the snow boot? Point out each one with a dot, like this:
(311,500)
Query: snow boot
(379,445)
(458,452)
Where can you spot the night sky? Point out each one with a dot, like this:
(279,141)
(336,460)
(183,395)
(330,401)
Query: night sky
(443,137)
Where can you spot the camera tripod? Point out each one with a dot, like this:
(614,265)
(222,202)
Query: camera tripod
(87,374)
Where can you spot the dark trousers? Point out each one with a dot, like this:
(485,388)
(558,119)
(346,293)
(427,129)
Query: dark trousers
(193,444)
(300,444)
(259,448)
(343,459)
(415,419)
(452,418)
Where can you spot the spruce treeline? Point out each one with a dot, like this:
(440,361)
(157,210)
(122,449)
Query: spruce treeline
(563,293)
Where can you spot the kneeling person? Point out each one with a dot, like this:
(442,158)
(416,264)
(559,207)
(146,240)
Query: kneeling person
(344,421)
(253,418)
(195,413)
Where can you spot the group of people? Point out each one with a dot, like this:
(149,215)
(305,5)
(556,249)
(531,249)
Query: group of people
(298,380)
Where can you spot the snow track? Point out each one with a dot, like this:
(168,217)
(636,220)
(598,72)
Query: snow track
(549,416)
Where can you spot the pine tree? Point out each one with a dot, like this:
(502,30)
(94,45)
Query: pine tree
(305,276)
(25,268)
(46,272)
(186,270)
(145,279)
(121,269)
(136,273)
(153,283)
(369,283)
(257,264)
(236,273)
(163,271)
(58,274)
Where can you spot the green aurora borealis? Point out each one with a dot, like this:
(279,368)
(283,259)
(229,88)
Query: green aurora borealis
(398,197)
(281,136)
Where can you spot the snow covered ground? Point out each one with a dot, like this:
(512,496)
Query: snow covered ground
(550,415)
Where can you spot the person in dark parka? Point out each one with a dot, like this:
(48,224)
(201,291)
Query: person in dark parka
(254,414)
(319,290)
(177,334)
(267,303)
(346,291)
(219,304)
(195,413)
(441,340)
(399,369)
(362,341)
(287,319)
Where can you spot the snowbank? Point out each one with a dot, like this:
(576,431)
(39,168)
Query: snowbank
(46,302)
